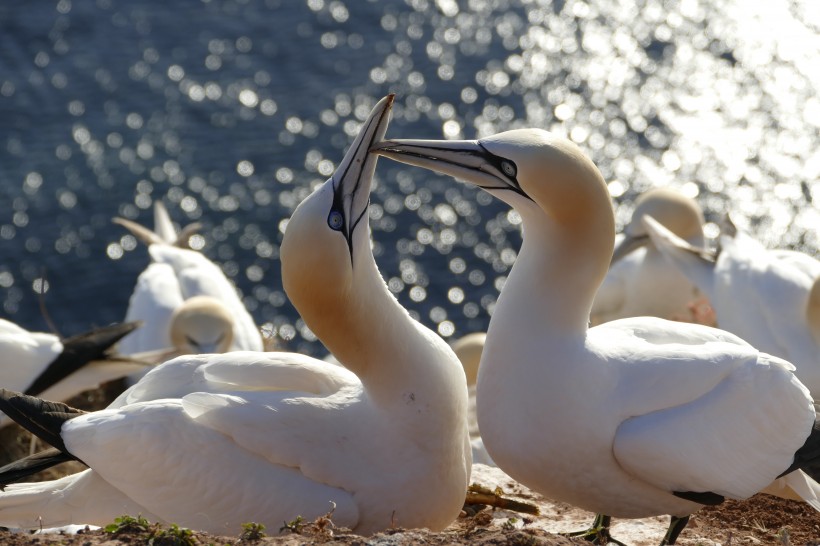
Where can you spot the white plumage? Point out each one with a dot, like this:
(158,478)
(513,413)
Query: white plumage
(769,298)
(25,354)
(468,349)
(640,281)
(165,289)
(248,436)
(624,418)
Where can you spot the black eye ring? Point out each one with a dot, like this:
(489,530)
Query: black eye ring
(509,169)
(335,220)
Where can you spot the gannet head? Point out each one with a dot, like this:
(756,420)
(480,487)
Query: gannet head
(328,237)
(202,324)
(679,214)
(532,170)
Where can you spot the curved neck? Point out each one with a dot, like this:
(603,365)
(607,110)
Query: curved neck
(372,335)
(553,282)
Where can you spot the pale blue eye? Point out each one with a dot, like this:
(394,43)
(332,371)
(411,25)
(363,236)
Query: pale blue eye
(335,220)
(508,168)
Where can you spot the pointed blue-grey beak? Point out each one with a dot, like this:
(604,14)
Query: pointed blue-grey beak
(354,175)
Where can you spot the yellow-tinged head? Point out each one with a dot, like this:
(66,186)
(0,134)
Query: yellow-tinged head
(325,254)
(202,324)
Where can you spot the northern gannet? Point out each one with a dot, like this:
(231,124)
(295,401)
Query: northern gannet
(640,281)
(184,299)
(42,364)
(248,436)
(770,298)
(636,417)
(468,350)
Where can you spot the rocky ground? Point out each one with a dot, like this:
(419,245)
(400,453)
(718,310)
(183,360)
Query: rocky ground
(761,520)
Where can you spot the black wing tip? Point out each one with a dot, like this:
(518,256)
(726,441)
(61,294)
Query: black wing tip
(28,466)
(706,498)
(41,417)
(104,335)
(807,458)
(78,351)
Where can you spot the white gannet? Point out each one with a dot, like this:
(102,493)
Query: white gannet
(767,297)
(264,437)
(468,350)
(640,281)
(184,299)
(636,417)
(42,364)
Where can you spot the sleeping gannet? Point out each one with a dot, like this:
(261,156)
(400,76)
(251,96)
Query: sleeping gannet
(44,365)
(640,281)
(633,418)
(770,298)
(247,436)
(183,299)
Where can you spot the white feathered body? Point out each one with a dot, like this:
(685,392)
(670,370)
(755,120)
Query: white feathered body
(643,283)
(261,437)
(24,355)
(621,415)
(646,420)
(762,296)
(175,275)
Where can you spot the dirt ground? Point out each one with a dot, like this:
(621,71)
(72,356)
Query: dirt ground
(762,520)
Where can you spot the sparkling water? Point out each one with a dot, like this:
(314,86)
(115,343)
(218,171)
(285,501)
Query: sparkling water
(231,111)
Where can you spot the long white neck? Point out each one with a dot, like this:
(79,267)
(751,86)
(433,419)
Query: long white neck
(545,304)
(396,358)
(548,292)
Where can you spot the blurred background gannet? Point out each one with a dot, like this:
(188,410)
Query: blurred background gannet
(640,281)
(636,417)
(468,349)
(249,436)
(767,297)
(185,300)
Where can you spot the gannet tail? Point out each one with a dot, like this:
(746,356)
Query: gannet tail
(796,486)
(25,467)
(164,228)
(140,232)
(800,480)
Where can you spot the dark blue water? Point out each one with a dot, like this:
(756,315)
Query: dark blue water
(230,111)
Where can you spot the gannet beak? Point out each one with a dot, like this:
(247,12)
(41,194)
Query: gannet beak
(466,160)
(628,244)
(354,175)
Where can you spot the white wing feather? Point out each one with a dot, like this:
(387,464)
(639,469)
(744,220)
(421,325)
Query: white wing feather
(156,295)
(728,400)
(24,355)
(175,475)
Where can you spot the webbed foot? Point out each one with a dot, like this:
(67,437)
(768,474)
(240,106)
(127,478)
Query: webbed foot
(597,533)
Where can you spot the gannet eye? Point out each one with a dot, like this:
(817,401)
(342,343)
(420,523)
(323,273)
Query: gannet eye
(509,168)
(335,220)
